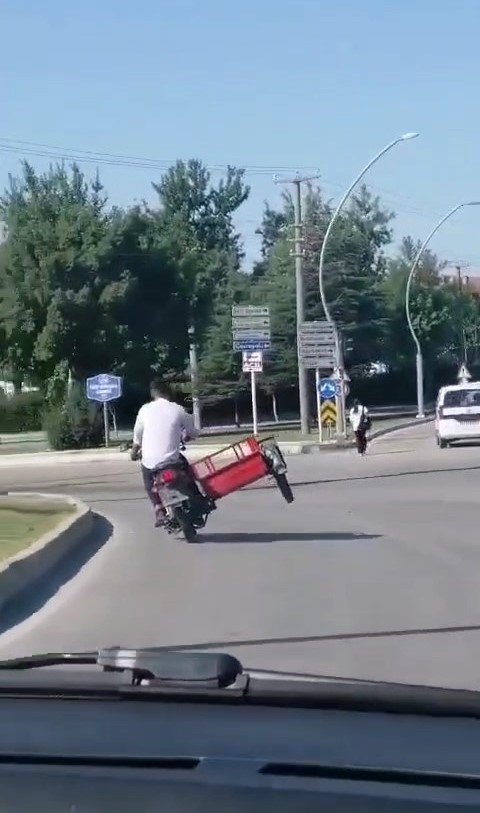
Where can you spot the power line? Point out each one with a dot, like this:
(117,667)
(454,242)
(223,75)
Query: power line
(118,159)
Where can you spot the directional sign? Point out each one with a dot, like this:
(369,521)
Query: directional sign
(329,413)
(316,344)
(317,327)
(104,388)
(249,310)
(245,345)
(252,362)
(255,322)
(250,328)
(328,389)
(251,334)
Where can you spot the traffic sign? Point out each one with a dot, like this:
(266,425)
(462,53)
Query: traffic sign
(244,345)
(255,322)
(248,333)
(250,328)
(463,373)
(104,388)
(252,362)
(328,389)
(329,413)
(340,375)
(316,344)
(249,310)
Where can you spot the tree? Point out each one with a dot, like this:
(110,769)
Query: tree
(355,266)
(429,298)
(273,224)
(194,222)
(220,367)
(276,288)
(56,295)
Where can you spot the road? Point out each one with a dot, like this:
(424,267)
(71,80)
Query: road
(373,572)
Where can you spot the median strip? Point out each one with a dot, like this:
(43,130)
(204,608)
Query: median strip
(36,532)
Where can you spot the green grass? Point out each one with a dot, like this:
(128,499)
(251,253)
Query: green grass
(22,523)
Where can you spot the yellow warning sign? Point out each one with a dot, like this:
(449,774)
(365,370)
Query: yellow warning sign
(329,413)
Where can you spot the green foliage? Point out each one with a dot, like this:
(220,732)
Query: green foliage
(75,423)
(22,412)
(87,288)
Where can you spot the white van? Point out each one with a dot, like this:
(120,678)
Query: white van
(457,413)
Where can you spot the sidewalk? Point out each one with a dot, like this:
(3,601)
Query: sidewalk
(194,451)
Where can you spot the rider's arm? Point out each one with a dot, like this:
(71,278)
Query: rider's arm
(189,427)
(137,435)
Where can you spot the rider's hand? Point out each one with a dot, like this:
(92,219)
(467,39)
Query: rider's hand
(135,452)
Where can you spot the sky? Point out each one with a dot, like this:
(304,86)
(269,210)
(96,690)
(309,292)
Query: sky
(275,86)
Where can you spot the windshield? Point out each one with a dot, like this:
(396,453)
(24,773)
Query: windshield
(231,225)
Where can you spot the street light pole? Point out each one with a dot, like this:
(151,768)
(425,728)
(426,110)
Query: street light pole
(326,308)
(418,355)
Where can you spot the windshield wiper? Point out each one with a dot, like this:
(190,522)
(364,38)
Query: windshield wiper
(154,668)
(158,672)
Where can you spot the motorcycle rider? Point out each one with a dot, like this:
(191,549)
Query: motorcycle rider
(160,429)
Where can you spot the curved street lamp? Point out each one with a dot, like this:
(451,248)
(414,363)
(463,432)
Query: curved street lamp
(419,357)
(326,309)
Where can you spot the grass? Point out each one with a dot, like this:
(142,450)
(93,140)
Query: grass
(22,523)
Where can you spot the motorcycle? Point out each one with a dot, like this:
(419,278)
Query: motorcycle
(187,492)
(185,508)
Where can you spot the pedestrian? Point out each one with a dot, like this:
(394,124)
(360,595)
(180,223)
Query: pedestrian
(361,423)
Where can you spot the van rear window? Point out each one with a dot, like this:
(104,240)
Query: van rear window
(462,398)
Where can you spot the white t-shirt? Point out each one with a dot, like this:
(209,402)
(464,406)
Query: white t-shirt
(158,431)
(356,417)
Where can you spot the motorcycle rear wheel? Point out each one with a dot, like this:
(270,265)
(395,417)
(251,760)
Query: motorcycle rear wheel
(186,529)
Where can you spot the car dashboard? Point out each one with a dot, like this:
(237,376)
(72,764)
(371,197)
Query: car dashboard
(90,746)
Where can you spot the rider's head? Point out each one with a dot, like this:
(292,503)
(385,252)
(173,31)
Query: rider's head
(356,404)
(158,389)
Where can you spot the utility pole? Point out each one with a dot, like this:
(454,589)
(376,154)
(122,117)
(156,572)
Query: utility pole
(197,415)
(298,253)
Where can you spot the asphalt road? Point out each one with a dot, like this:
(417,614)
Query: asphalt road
(373,572)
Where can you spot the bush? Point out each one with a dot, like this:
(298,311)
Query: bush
(22,412)
(75,424)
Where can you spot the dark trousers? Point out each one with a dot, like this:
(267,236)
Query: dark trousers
(149,482)
(361,440)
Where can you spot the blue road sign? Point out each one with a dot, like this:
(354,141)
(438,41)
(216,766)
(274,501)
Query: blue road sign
(328,389)
(104,388)
(249,345)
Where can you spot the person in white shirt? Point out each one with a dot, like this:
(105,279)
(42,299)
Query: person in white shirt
(160,429)
(360,421)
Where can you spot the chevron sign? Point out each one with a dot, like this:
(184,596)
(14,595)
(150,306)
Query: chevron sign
(329,413)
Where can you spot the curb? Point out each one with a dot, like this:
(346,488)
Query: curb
(388,429)
(24,570)
(116,456)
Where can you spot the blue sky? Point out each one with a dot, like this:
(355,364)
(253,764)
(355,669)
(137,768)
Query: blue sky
(305,83)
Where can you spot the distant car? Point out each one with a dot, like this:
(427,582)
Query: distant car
(457,413)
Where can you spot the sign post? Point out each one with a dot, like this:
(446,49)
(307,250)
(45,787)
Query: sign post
(253,363)
(251,336)
(104,388)
(319,405)
(253,385)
